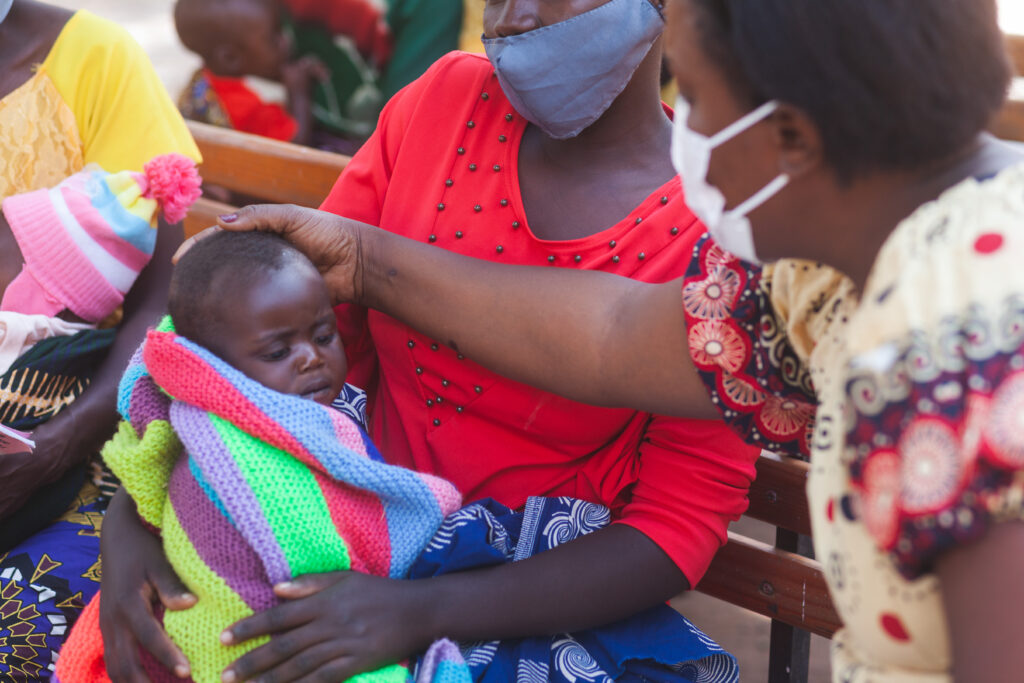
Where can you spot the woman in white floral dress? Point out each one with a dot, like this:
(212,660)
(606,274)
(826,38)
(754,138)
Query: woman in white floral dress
(838,132)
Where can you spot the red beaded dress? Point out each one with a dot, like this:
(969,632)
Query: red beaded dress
(443,168)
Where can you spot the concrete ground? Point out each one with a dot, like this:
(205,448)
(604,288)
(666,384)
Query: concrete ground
(741,633)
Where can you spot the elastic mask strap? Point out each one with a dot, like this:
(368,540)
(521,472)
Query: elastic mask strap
(763,195)
(734,129)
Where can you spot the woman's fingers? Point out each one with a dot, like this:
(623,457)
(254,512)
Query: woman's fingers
(122,658)
(151,636)
(137,582)
(191,242)
(281,219)
(307,585)
(126,627)
(332,243)
(286,657)
(274,620)
(172,592)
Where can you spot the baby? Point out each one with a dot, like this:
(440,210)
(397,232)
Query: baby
(231,449)
(259,304)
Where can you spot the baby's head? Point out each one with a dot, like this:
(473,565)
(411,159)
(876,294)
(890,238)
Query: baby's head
(259,304)
(234,37)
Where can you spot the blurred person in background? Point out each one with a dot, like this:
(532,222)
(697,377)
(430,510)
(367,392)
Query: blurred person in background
(338,61)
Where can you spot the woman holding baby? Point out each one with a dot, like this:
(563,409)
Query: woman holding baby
(568,174)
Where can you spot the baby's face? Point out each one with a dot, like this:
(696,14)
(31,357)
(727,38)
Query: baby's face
(281,332)
(249,41)
(263,47)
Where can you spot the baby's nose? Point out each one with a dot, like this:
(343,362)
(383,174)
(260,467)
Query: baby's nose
(310,358)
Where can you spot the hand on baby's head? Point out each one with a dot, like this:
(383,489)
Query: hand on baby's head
(260,305)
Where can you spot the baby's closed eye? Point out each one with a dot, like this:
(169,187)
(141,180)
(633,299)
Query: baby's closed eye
(275,354)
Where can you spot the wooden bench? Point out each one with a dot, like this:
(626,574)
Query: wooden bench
(777,580)
(1010,122)
(272,171)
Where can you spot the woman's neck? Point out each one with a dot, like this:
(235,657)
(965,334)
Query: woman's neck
(605,172)
(26,38)
(877,205)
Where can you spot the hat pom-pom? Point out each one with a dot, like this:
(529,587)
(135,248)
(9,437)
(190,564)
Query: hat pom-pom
(173,181)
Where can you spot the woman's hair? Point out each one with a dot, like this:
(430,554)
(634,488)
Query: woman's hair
(210,274)
(891,84)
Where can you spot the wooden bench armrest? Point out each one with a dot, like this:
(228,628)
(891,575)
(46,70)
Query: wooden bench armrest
(268,169)
(783,586)
(1009,123)
(1015,48)
(778,495)
(203,214)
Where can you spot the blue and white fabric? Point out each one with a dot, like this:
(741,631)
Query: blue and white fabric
(657,645)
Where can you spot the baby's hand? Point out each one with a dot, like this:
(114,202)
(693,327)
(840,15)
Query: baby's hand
(298,75)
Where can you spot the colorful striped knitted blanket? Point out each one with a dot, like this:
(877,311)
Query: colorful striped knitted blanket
(262,487)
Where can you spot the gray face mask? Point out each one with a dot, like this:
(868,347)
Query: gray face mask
(5,7)
(563,77)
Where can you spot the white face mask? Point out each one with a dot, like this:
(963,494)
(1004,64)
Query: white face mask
(5,7)
(691,155)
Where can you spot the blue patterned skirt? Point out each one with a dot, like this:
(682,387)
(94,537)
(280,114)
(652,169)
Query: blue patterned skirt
(658,644)
(45,582)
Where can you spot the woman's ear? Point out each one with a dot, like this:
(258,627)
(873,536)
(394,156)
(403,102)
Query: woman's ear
(798,139)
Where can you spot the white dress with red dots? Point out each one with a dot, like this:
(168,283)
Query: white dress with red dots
(909,399)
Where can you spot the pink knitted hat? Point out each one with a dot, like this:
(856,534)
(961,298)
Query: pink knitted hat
(85,241)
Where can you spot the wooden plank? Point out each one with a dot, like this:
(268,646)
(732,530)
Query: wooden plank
(789,649)
(203,214)
(1015,48)
(266,169)
(1009,124)
(777,584)
(778,495)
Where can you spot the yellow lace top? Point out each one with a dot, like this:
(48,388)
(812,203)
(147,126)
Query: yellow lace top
(94,99)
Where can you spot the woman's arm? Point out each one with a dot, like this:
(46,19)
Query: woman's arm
(83,427)
(344,623)
(136,579)
(983,598)
(592,337)
(80,429)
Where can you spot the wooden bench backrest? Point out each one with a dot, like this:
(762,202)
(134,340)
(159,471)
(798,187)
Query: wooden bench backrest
(260,168)
(1010,122)
(767,579)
